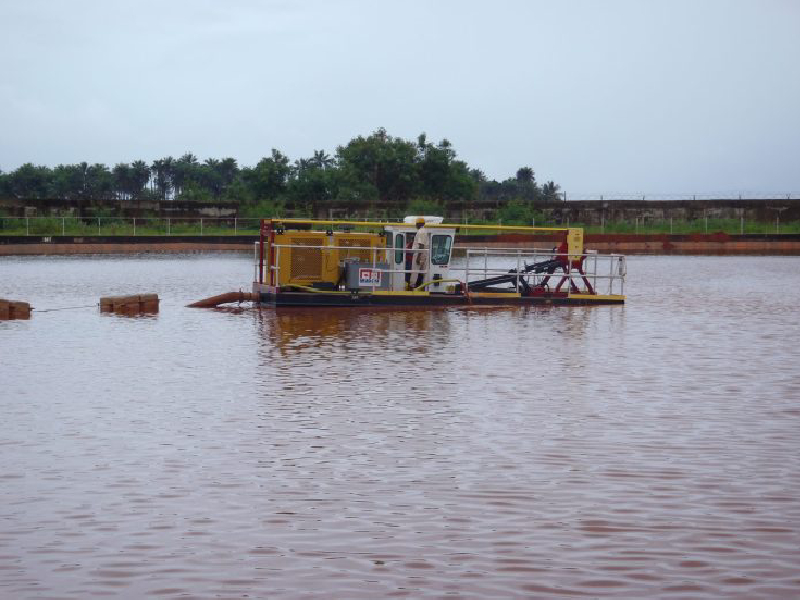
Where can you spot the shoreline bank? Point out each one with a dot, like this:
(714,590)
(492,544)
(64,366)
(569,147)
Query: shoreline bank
(629,244)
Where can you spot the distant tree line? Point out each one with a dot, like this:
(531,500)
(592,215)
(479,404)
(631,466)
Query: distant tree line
(378,172)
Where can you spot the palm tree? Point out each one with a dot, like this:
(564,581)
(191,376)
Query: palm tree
(322,160)
(123,180)
(163,172)
(184,171)
(228,169)
(140,176)
(525,175)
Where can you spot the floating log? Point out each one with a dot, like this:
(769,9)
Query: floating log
(11,309)
(139,303)
(225,299)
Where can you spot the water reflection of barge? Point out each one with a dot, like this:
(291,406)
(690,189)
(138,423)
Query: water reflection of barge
(305,262)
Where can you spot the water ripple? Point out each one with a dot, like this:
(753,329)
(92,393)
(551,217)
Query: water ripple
(637,451)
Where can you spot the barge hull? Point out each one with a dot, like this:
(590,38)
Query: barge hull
(310,299)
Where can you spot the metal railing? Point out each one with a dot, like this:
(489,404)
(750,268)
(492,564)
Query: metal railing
(610,269)
(745,195)
(139,226)
(593,264)
(150,226)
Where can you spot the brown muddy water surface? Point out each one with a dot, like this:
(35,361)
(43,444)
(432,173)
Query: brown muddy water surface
(645,450)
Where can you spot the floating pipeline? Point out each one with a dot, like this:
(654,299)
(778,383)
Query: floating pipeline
(130,305)
(127,305)
(11,310)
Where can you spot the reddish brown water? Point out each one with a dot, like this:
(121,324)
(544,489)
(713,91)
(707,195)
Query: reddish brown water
(648,450)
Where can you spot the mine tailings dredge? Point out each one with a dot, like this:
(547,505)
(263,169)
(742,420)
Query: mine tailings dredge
(303,262)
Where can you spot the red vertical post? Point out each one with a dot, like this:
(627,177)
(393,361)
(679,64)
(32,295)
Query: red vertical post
(272,277)
(261,232)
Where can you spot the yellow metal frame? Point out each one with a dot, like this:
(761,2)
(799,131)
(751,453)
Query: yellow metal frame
(278,222)
(399,293)
(495,295)
(331,257)
(597,297)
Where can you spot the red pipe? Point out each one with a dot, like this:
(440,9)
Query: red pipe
(261,230)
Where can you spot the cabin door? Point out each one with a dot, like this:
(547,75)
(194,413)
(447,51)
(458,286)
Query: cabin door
(397,262)
(441,242)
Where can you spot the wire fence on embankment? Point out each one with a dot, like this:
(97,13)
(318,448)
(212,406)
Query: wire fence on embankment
(712,196)
(227,226)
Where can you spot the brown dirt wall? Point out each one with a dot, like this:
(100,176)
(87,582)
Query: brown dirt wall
(697,244)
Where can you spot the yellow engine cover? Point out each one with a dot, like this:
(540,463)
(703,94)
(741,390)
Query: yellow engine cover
(307,257)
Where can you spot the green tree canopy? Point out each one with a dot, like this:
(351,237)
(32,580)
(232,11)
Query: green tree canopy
(377,171)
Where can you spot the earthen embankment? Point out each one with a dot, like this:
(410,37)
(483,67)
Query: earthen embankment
(666,244)
(690,244)
(157,244)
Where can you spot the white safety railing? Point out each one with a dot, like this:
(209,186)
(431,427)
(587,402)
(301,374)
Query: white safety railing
(770,224)
(479,264)
(605,268)
(131,226)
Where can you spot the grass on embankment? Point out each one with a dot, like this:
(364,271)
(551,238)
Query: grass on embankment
(54,226)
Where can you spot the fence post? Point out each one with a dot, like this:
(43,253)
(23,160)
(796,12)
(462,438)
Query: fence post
(778,223)
(234,226)
(636,230)
(705,217)
(670,225)
(27,229)
(167,226)
(201,226)
(741,225)
(63,226)
(134,225)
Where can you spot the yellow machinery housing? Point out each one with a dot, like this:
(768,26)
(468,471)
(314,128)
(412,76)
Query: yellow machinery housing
(575,243)
(308,257)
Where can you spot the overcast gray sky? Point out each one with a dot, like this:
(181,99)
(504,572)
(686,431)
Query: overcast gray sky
(615,96)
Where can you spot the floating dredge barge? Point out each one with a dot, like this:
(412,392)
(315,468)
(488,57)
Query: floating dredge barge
(304,262)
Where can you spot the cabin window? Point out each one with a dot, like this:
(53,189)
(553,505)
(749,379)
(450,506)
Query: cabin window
(389,244)
(440,249)
(398,244)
